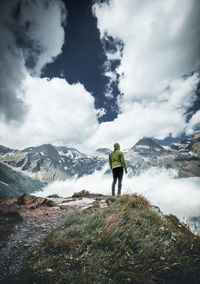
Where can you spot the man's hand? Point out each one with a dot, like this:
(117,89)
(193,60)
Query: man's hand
(126,171)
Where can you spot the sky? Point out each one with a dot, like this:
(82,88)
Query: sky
(87,74)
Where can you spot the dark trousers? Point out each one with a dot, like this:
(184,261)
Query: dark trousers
(117,175)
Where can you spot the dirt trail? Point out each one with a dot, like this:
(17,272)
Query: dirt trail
(38,220)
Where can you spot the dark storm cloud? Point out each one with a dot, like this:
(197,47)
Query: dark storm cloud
(190,37)
(39,31)
(12,69)
(26,45)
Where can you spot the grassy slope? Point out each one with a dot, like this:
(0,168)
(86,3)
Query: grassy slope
(124,243)
(16,183)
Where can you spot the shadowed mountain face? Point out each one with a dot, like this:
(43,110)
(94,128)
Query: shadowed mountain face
(189,145)
(13,182)
(38,162)
(48,163)
(46,151)
(148,148)
(4,150)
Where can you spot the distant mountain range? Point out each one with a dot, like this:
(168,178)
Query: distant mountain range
(29,169)
(183,156)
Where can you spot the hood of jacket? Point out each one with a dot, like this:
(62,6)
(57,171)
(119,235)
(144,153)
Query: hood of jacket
(116,146)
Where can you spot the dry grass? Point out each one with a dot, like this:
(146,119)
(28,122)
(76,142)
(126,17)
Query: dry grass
(124,243)
(135,201)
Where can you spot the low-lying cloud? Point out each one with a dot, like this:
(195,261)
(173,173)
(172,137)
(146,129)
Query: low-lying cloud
(160,186)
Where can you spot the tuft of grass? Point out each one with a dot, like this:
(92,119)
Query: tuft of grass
(54,196)
(82,193)
(111,199)
(127,242)
(86,193)
(135,201)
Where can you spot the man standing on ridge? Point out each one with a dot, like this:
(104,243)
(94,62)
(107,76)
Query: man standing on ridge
(117,165)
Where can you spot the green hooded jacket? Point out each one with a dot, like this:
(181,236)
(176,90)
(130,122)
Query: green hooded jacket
(116,158)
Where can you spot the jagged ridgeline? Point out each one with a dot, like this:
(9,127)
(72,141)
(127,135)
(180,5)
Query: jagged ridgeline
(127,242)
(48,163)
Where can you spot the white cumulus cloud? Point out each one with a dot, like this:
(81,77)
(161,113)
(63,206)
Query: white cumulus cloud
(161,43)
(155,118)
(59,113)
(161,40)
